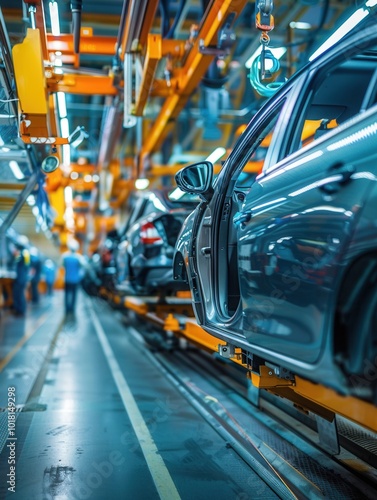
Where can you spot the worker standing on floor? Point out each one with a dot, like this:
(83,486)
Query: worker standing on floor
(73,264)
(22,261)
(49,274)
(36,270)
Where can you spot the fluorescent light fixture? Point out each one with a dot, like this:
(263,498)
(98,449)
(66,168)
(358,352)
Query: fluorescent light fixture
(30,200)
(69,213)
(54,17)
(371,3)
(1,142)
(58,63)
(64,126)
(216,155)
(62,106)
(141,183)
(345,28)
(277,52)
(300,25)
(66,155)
(176,194)
(17,172)
(68,195)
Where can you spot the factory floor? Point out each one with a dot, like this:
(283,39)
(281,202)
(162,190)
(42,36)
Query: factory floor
(95,419)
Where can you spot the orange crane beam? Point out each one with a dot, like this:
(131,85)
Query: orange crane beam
(82,84)
(157,48)
(192,72)
(89,44)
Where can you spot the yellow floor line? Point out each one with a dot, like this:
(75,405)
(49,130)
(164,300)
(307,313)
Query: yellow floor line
(21,342)
(159,472)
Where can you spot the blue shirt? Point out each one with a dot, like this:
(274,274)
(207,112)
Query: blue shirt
(22,267)
(72,264)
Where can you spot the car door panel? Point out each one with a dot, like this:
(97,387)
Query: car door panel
(290,252)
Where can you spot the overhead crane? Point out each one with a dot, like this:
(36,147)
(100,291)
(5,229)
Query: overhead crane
(42,60)
(144,65)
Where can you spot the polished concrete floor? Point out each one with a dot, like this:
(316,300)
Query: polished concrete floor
(96,420)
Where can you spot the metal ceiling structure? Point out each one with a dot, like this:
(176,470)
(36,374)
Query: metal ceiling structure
(149,85)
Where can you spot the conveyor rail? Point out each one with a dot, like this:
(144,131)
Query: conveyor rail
(174,316)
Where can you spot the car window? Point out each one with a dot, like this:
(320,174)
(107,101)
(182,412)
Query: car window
(254,152)
(138,206)
(335,95)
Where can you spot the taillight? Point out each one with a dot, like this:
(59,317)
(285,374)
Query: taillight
(149,234)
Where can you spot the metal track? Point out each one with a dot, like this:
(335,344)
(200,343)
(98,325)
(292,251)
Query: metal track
(353,439)
(292,467)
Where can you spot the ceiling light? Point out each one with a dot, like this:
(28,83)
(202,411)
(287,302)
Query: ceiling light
(54,17)
(74,176)
(68,195)
(62,106)
(66,155)
(58,63)
(176,194)
(30,200)
(88,178)
(64,126)
(216,155)
(17,172)
(345,28)
(299,25)
(95,178)
(277,52)
(50,164)
(141,183)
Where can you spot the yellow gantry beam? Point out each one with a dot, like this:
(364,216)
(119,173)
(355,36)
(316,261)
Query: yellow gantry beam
(153,56)
(82,84)
(97,45)
(192,72)
(156,50)
(31,85)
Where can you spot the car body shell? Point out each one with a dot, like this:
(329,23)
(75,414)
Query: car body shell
(145,267)
(272,270)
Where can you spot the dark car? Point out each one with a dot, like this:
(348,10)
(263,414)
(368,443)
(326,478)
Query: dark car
(145,253)
(287,269)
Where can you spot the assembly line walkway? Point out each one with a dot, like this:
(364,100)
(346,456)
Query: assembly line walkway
(95,419)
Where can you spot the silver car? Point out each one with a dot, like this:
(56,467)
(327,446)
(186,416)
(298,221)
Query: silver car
(286,269)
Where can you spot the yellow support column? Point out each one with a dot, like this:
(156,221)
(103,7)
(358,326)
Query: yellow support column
(31,84)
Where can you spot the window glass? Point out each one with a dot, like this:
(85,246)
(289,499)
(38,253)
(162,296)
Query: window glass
(254,152)
(335,96)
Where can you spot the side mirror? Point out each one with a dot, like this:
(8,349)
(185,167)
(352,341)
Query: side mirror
(196,179)
(50,164)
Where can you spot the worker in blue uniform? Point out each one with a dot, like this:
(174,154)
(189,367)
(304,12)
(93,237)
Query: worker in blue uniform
(36,271)
(22,260)
(73,264)
(49,272)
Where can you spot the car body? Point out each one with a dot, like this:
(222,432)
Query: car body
(287,269)
(145,252)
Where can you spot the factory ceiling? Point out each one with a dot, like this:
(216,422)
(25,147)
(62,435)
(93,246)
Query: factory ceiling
(129,89)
